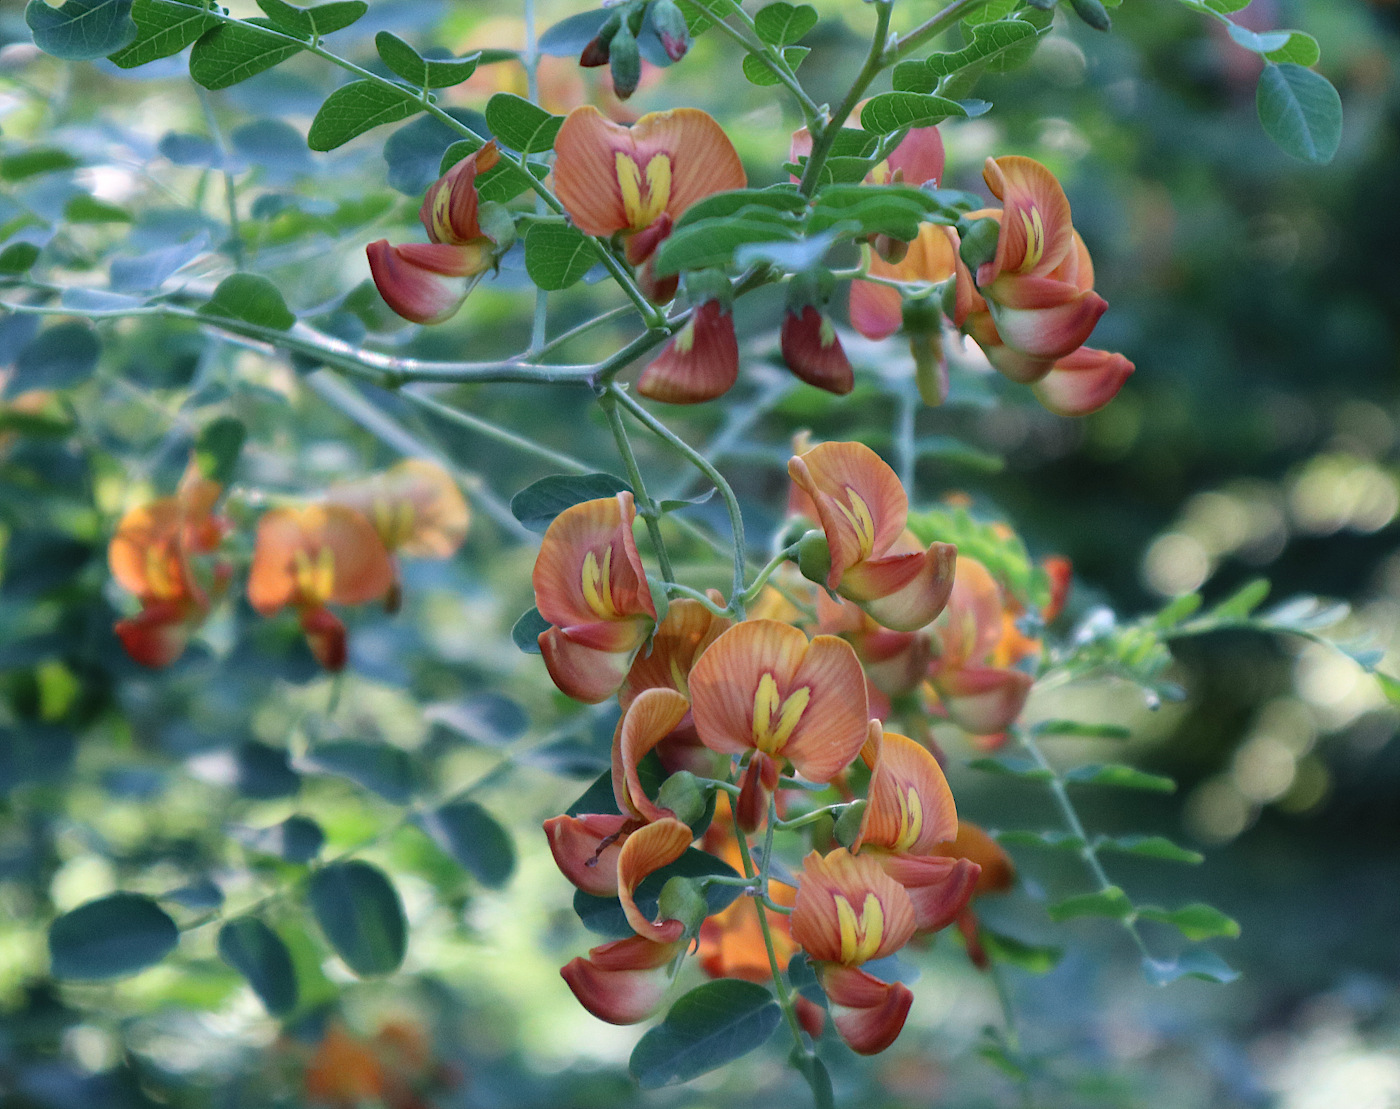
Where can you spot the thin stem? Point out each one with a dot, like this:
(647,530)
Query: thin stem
(770,57)
(491,431)
(906,453)
(930,28)
(874,63)
(679,590)
(752,592)
(235,229)
(731,502)
(582,329)
(646,508)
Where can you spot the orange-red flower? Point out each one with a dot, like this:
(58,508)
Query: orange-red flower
(586,847)
(812,350)
(997,875)
(1083,382)
(151,555)
(390,1069)
(978,647)
(699,363)
(917,160)
(427,282)
(637,181)
(895,662)
(848,912)
(875,561)
(313,556)
(877,310)
(590,585)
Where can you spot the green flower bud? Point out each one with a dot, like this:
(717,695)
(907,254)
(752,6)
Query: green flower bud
(626,62)
(814,557)
(671,28)
(979,241)
(1093,13)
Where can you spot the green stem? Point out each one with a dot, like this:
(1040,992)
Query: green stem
(874,63)
(930,28)
(703,464)
(752,592)
(492,431)
(676,589)
(583,328)
(646,508)
(235,229)
(771,58)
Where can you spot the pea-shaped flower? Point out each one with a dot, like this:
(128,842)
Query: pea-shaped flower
(875,562)
(590,585)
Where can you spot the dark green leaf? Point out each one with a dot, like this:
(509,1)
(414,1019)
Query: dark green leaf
(783,198)
(217,448)
(258,953)
(1300,111)
(491,719)
(557,255)
(525,633)
(320,20)
(473,837)
(894,210)
(540,502)
(1111,902)
(385,770)
(712,1025)
(407,63)
(1081,730)
(781,23)
(893,111)
(111,937)
(35,161)
(359,911)
(568,37)
(913,76)
(1032,958)
(251,298)
(61,357)
(1195,963)
(163,28)
(88,209)
(1119,776)
(18,258)
(713,242)
(298,839)
(988,40)
(356,108)
(521,125)
(1013,766)
(80,30)
(1149,847)
(233,52)
(1197,921)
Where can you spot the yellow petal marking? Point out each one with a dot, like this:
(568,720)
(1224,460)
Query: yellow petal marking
(678,678)
(158,577)
(858,516)
(442,216)
(1035,238)
(911,819)
(597,583)
(394,520)
(685,337)
(775,718)
(315,576)
(860,935)
(880,175)
(643,202)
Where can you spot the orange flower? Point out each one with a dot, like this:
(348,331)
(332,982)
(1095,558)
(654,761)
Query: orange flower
(313,556)
(699,363)
(877,310)
(894,662)
(997,875)
(624,981)
(427,282)
(649,719)
(1083,382)
(586,848)
(848,911)
(875,562)
(151,556)
(638,180)
(590,584)
(979,645)
(812,350)
(909,813)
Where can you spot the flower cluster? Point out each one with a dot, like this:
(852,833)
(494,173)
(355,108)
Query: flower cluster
(731,727)
(339,550)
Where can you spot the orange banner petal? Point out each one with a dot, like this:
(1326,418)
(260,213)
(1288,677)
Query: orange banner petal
(1036,231)
(974,844)
(647,721)
(1083,382)
(314,555)
(648,849)
(848,910)
(415,506)
(910,807)
(682,637)
(939,887)
(588,569)
(861,505)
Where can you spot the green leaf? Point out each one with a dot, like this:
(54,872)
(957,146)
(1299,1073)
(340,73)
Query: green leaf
(407,63)
(713,242)
(894,210)
(111,937)
(1013,766)
(473,837)
(251,298)
(81,30)
(298,839)
(258,953)
(1390,687)
(163,28)
(540,502)
(217,448)
(521,125)
(781,23)
(1055,841)
(913,76)
(385,770)
(18,258)
(1081,730)
(233,52)
(557,255)
(361,916)
(1243,601)
(759,72)
(1110,902)
(356,108)
(1300,49)
(60,357)
(1261,42)
(988,40)
(712,1025)
(36,161)
(1177,611)
(1032,958)
(1149,847)
(782,199)
(525,633)
(1198,962)
(1118,776)
(1197,921)
(1300,111)
(309,22)
(88,209)
(893,111)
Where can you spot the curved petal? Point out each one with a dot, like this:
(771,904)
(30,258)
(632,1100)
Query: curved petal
(585,171)
(317,554)
(425,282)
(971,624)
(649,720)
(876,311)
(1042,317)
(868,1013)
(832,729)
(910,809)
(918,159)
(681,638)
(848,910)
(862,507)
(725,680)
(588,568)
(703,160)
(983,700)
(939,887)
(757,786)
(144,554)
(584,673)
(648,849)
(585,848)
(903,592)
(622,982)
(1083,382)
(449,210)
(326,636)
(975,845)
(700,363)
(157,635)
(812,350)
(1036,232)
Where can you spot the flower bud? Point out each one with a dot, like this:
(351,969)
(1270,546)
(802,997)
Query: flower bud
(849,822)
(626,62)
(814,557)
(671,28)
(1093,13)
(978,241)
(596,52)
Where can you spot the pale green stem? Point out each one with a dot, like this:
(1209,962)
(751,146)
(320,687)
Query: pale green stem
(676,589)
(752,592)
(492,431)
(235,228)
(646,508)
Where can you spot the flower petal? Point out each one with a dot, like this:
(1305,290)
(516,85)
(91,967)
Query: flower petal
(910,809)
(812,350)
(918,159)
(1036,232)
(648,849)
(868,1013)
(578,845)
(622,982)
(972,843)
(700,363)
(876,311)
(703,160)
(848,910)
(449,210)
(584,673)
(588,568)
(648,721)
(833,728)
(425,282)
(939,887)
(860,503)
(681,638)
(585,171)
(317,554)
(903,592)
(157,635)
(983,700)
(1083,382)
(1043,317)
(724,682)
(415,506)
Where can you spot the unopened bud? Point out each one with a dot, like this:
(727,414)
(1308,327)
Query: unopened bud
(814,557)
(596,52)
(671,28)
(684,796)
(682,900)
(1093,13)
(890,249)
(978,241)
(626,62)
